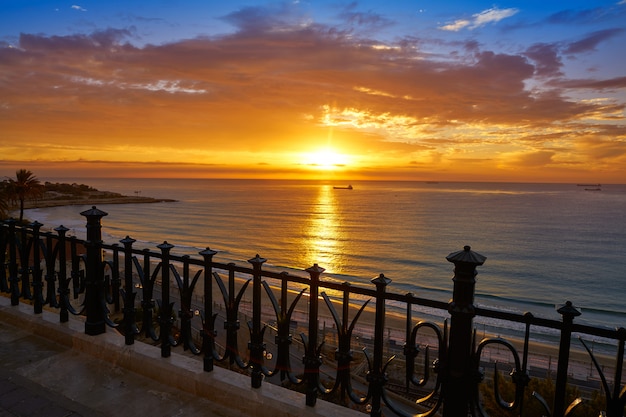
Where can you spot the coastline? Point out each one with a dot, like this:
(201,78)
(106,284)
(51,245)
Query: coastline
(47,203)
(64,194)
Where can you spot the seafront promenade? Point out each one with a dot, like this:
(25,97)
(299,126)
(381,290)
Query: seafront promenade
(54,369)
(128,277)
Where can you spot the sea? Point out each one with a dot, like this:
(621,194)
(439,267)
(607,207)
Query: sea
(545,243)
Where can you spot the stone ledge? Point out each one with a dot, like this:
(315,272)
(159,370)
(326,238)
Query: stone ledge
(221,386)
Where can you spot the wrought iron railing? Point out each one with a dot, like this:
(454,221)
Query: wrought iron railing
(35,268)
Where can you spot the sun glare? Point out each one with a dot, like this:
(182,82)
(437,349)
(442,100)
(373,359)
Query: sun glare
(326,159)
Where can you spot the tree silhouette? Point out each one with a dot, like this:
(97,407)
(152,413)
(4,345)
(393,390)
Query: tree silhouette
(24,186)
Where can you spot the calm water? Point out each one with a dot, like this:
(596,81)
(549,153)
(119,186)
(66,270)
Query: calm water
(544,243)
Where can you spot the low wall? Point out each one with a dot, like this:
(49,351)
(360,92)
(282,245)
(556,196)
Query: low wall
(221,386)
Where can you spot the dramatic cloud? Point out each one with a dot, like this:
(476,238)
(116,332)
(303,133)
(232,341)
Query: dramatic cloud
(280,86)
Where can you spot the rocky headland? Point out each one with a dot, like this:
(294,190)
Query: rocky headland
(61,194)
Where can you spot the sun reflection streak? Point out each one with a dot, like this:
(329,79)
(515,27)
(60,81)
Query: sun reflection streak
(323,237)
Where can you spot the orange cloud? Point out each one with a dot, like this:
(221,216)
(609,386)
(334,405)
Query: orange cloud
(249,103)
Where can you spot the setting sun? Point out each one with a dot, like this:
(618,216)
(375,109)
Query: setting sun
(326,159)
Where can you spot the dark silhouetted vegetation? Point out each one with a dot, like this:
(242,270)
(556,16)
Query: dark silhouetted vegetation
(590,407)
(24,186)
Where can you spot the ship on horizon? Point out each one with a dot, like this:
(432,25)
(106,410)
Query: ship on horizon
(591,187)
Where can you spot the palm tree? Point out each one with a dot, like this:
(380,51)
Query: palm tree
(24,186)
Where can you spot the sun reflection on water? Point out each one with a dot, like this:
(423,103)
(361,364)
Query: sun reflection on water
(323,243)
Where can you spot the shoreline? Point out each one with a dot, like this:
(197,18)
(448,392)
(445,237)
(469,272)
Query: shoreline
(64,194)
(47,203)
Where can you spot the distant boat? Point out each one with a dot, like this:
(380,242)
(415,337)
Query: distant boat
(591,187)
(349,187)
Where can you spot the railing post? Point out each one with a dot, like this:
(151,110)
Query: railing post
(13,278)
(37,278)
(256,345)
(166,318)
(50,277)
(77,274)
(116,281)
(459,383)
(376,376)
(568,311)
(64,291)
(185,289)
(24,267)
(130,326)
(95,304)
(232,324)
(147,299)
(208,325)
(312,359)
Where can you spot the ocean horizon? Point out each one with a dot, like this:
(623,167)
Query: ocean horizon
(545,243)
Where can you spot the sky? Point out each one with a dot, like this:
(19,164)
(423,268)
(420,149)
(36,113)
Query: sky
(525,91)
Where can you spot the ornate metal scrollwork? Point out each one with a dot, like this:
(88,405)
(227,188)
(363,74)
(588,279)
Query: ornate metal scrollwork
(24,245)
(166,307)
(343,354)
(433,400)
(231,324)
(185,289)
(60,251)
(147,282)
(283,337)
(412,351)
(79,284)
(109,290)
(165,318)
(50,255)
(546,407)
(616,401)
(519,376)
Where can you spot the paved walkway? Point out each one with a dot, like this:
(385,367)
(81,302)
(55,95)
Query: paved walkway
(41,378)
(53,369)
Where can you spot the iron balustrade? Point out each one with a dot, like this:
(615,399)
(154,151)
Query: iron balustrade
(448,385)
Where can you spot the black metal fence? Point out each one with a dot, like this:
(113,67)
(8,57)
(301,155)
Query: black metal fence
(72,275)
